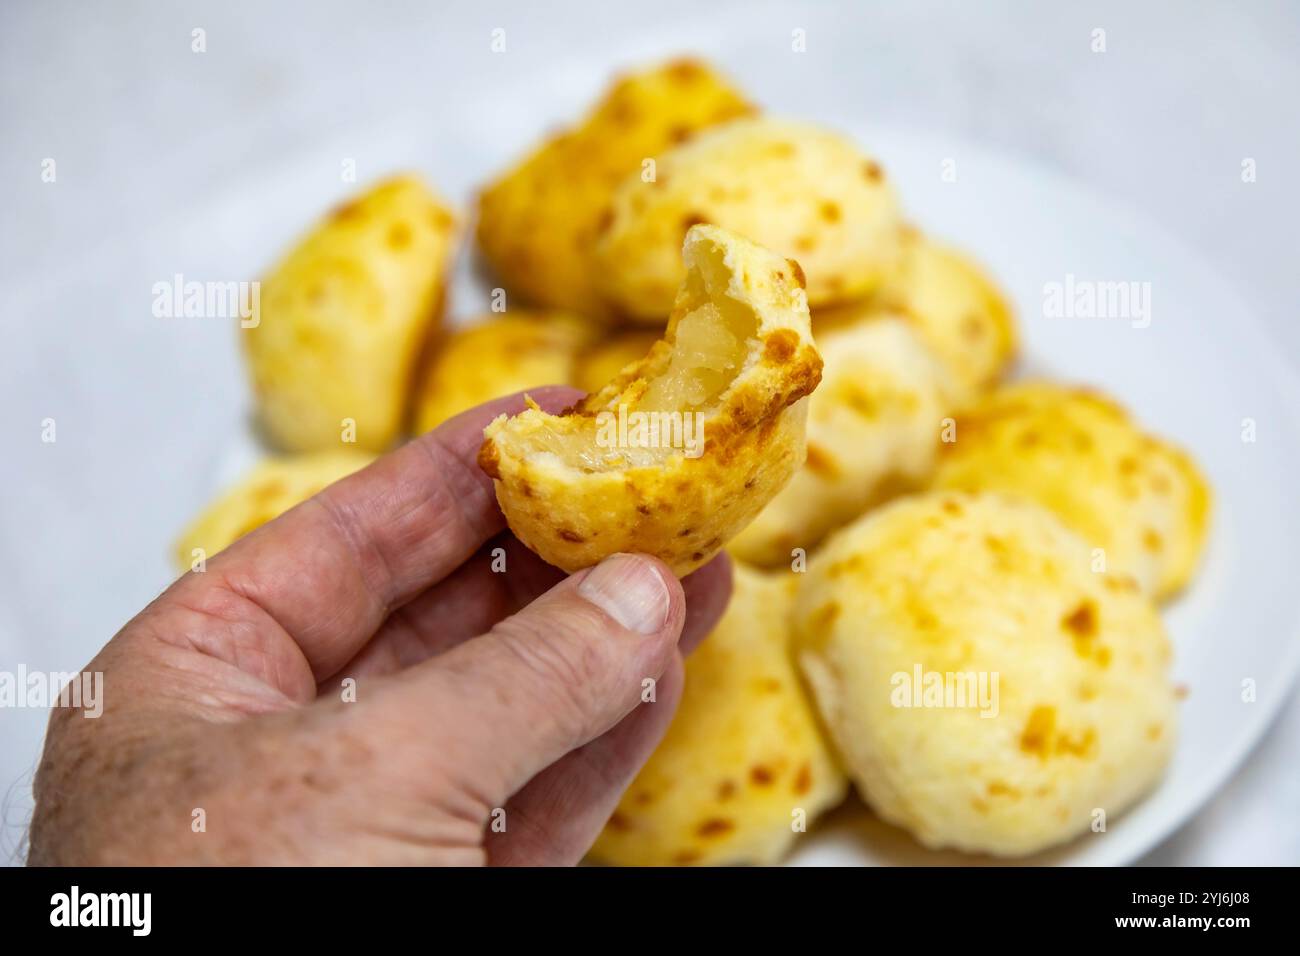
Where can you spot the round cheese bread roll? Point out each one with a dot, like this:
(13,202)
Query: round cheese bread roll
(681,450)
(498,355)
(985,688)
(1142,501)
(799,190)
(873,431)
(743,768)
(958,309)
(271,489)
(538,222)
(343,319)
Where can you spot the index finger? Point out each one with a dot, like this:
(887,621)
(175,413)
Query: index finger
(331,570)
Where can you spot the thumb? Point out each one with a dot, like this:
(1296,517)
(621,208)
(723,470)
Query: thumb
(548,679)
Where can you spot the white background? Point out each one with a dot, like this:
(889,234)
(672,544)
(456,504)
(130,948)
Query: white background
(159,151)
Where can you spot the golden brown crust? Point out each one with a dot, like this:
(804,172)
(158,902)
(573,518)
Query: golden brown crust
(344,318)
(794,188)
(537,223)
(873,431)
(681,509)
(985,687)
(494,356)
(959,310)
(1141,501)
(744,751)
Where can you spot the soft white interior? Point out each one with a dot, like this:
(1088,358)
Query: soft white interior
(712,344)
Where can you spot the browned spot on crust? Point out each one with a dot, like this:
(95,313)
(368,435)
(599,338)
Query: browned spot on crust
(761,776)
(1082,621)
(686,858)
(619,822)
(490,460)
(799,277)
(685,71)
(830,211)
(872,171)
(399,236)
(348,212)
(826,615)
(568,535)
(1121,583)
(604,220)
(803,780)
(726,789)
(820,462)
(1082,746)
(715,827)
(1036,738)
(1151,540)
(692,219)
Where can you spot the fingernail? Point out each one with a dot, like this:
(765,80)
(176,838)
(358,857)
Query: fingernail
(630,590)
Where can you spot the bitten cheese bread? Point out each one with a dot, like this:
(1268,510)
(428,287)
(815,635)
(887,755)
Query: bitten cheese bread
(680,451)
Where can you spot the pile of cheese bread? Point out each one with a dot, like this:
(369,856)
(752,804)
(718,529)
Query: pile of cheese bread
(950,599)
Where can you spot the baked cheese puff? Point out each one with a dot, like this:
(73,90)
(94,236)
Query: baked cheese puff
(495,356)
(538,221)
(874,425)
(743,767)
(342,321)
(681,450)
(1139,500)
(958,309)
(986,689)
(804,192)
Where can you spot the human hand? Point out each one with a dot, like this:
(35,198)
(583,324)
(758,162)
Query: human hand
(482,697)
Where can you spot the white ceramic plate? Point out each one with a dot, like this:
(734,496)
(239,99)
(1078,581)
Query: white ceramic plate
(152,420)
(1196,373)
